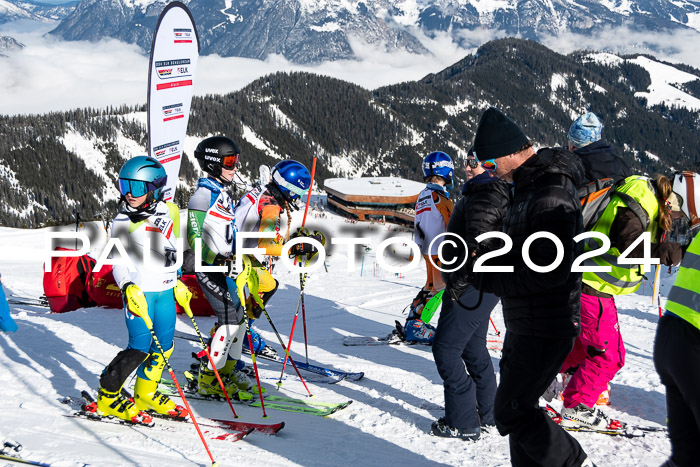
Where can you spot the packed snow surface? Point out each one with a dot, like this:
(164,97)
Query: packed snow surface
(57,355)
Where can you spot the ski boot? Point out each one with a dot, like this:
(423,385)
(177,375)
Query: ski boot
(416,330)
(440,428)
(114,404)
(208,384)
(147,398)
(146,394)
(604,398)
(247,389)
(419,302)
(587,417)
(259,344)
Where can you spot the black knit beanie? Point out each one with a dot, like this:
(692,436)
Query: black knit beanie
(497,136)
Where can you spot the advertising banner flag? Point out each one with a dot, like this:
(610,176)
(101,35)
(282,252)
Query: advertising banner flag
(171,73)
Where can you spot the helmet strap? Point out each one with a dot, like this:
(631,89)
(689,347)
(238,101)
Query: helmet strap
(279,196)
(220,178)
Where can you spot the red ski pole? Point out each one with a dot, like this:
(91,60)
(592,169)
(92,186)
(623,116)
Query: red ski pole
(498,333)
(149,324)
(302,279)
(183,297)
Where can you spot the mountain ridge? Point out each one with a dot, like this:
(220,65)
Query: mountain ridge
(310,32)
(355,131)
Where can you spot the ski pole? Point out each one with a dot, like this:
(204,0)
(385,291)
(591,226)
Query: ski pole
(303,320)
(249,277)
(149,325)
(498,333)
(286,351)
(302,280)
(183,297)
(294,324)
(255,365)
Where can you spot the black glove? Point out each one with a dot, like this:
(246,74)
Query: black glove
(670,253)
(301,249)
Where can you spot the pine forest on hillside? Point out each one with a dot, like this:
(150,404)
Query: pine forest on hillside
(355,131)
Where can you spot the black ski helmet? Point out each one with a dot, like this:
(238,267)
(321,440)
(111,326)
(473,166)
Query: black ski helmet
(216,152)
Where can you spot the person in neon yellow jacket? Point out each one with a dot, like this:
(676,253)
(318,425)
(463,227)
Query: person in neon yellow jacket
(638,205)
(677,360)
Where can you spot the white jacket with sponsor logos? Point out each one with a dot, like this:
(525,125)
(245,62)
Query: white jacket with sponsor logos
(161,230)
(433,211)
(211,217)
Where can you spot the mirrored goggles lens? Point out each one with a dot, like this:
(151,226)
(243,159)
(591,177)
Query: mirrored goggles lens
(229,162)
(489,165)
(472,163)
(137,188)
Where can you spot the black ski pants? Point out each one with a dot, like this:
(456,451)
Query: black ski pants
(528,366)
(677,360)
(464,362)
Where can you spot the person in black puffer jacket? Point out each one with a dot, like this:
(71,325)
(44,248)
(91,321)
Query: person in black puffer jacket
(597,155)
(459,348)
(541,309)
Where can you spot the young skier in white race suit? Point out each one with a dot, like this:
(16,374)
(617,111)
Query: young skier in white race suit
(433,210)
(147,292)
(211,218)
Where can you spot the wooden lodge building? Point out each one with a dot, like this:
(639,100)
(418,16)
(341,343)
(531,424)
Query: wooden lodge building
(374,198)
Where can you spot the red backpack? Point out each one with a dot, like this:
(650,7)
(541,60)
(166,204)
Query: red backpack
(103,289)
(65,286)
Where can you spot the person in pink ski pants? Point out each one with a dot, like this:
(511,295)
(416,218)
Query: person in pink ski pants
(599,352)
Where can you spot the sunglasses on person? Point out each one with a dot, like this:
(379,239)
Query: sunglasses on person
(489,165)
(138,188)
(472,163)
(230,162)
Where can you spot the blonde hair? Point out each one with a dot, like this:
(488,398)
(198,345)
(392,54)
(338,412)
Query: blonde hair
(289,220)
(664,188)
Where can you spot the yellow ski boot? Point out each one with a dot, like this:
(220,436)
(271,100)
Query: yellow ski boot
(146,394)
(114,404)
(208,384)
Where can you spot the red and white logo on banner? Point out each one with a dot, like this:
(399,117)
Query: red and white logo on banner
(182,36)
(174,58)
(173,112)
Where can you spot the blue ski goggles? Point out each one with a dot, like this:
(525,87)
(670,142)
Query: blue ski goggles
(138,188)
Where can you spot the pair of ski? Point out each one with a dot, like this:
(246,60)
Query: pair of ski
(395,338)
(30,301)
(287,404)
(334,376)
(219,429)
(624,430)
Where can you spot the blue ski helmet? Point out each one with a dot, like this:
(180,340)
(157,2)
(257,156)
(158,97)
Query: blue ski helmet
(440,164)
(292,179)
(143,175)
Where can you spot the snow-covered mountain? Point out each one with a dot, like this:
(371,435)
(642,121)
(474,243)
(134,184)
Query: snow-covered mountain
(306,31)
(9,44)
(13,10)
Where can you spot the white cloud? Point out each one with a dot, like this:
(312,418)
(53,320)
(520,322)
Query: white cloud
(675,47)
(54,75)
